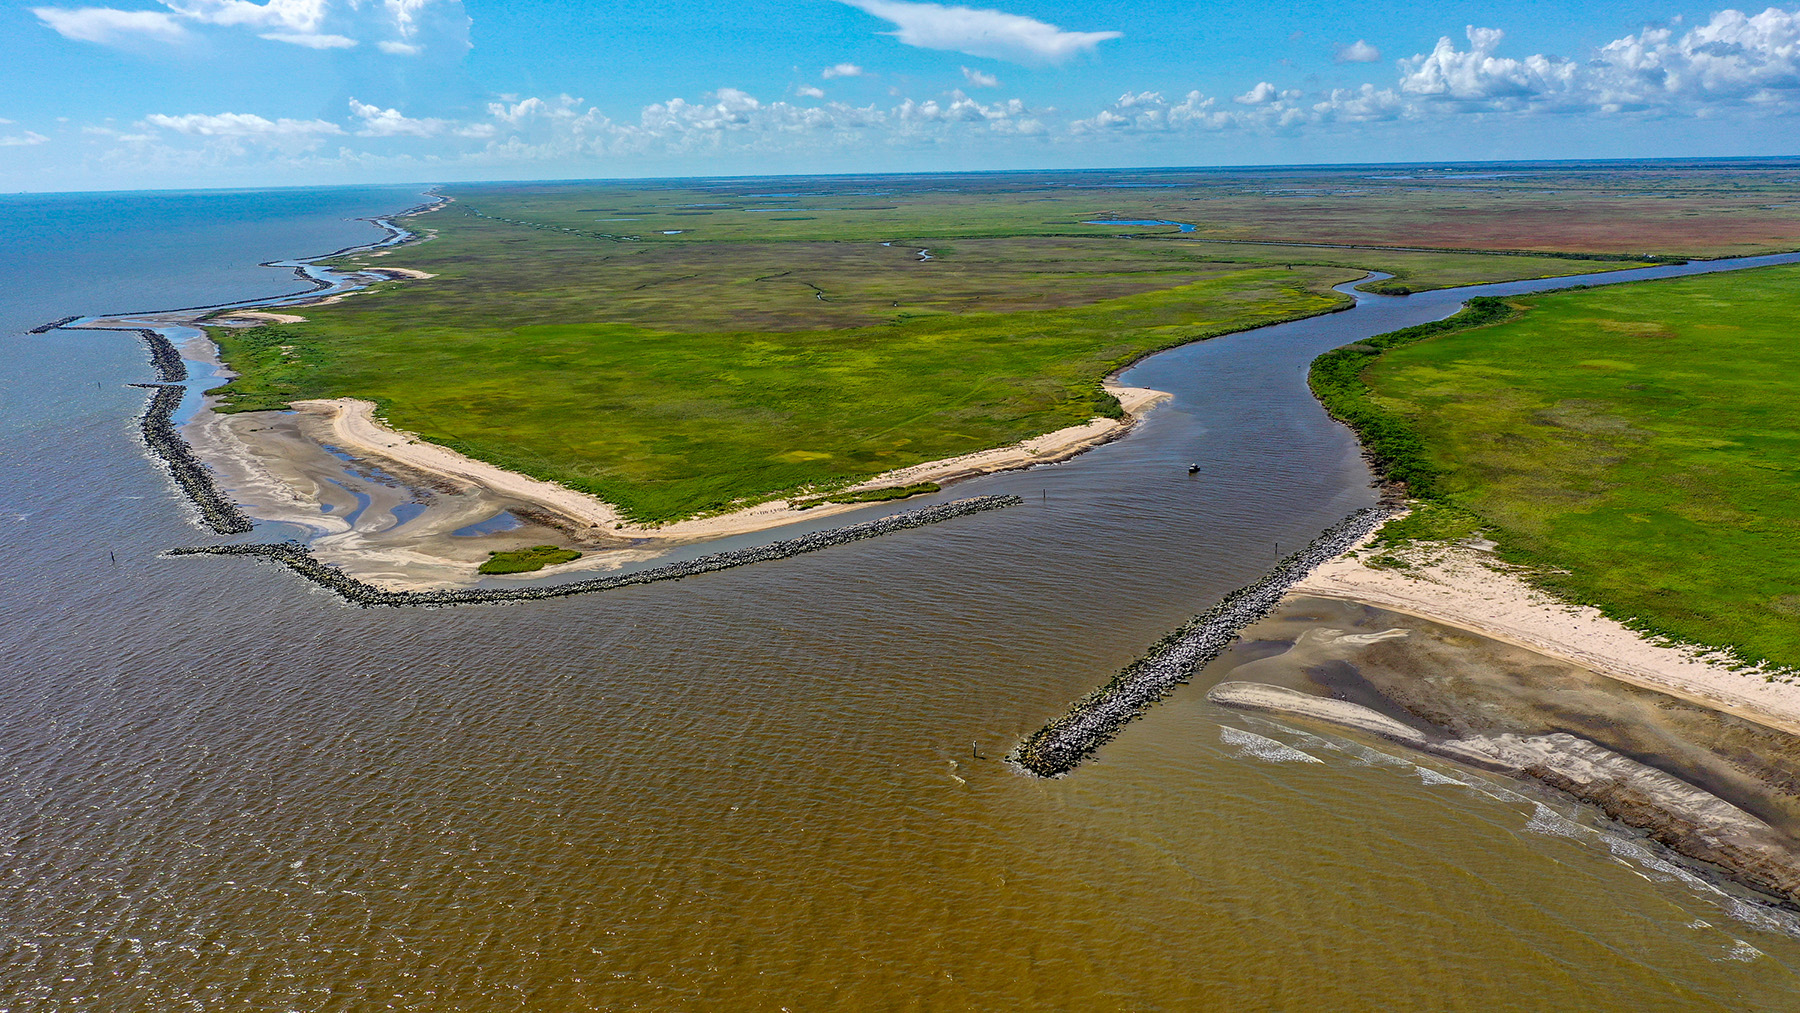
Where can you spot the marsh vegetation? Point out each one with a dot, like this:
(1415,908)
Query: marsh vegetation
(1633,445)
(693,347)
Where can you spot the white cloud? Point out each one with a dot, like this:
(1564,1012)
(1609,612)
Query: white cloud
(311,40)
(1358,52)
(988,33)
(808,91)
(26,139)
(238,125)
(399,27)
(1733,61)
(110,27)
(524,111)
(285,134)
(296,17)
(379,122)
(1477,77)
(841,70)
(1266,94)
(980,80)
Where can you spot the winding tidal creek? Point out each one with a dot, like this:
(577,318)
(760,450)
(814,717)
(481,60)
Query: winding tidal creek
(772,786)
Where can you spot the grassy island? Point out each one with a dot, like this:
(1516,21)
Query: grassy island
(685,348)
(527,560)
(1635,445)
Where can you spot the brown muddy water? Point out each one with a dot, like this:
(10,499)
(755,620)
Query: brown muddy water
(225,790)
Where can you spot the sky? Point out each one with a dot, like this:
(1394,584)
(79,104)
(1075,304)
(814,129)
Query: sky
(141,94)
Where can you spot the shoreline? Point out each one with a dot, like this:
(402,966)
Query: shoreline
(355,428)
(356,592)
(220,452)
(1676,814)
(1461,588)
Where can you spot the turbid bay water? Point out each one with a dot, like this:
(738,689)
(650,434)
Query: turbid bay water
(752,789)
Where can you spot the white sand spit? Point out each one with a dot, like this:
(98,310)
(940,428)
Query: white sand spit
(1467,588)
(356,430)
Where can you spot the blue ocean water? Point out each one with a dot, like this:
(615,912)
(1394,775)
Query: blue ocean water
(65,412)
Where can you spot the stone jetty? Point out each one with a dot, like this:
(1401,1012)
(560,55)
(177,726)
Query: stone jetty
(296,557)
(1061,745)
(194,478)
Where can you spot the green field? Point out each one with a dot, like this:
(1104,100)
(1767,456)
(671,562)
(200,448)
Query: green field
(688,347)
(1638,446)
(527,560)
(666,424)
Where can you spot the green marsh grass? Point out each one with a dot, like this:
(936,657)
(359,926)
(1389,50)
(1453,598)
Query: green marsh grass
(1637,447)
(527,560)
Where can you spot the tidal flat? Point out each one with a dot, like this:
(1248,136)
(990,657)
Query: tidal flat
(1460,689)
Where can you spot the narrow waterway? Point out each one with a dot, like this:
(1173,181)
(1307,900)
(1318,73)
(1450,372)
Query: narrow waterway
(754,789)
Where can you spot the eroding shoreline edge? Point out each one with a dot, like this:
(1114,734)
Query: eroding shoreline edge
(1090,722)
(298,558)
(1676,814)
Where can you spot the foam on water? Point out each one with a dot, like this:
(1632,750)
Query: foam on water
(1262,747)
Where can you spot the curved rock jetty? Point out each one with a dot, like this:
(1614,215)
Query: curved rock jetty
(160,436)
(297,558)
(164,357)
(1061,745)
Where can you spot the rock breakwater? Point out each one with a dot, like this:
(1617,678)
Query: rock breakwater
(194,478)
(297,558)
(53,325)
(164,357)
(1061,745)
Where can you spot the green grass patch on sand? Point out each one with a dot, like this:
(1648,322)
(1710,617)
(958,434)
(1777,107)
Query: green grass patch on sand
(527,560)
(885,494)
(1636,446)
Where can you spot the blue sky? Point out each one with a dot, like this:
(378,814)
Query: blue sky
(183,93)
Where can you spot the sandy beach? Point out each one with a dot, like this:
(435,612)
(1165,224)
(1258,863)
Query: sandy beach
(290,467)
(1467,588)
(354,427)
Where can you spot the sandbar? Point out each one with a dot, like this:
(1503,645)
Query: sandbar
(1466,587)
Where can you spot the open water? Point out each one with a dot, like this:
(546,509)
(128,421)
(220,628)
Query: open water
(222,789)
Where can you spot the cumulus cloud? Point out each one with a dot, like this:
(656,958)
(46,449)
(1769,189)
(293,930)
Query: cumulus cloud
(1734,60)
(311,40)
(980,80)
(1358,52)
(238,134)
(841,70)
(26,139)
(808,91)
(110,27)
(379,122)
(987,33)
(240,125)
(399,27)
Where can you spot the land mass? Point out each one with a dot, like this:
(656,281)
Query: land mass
(639,365)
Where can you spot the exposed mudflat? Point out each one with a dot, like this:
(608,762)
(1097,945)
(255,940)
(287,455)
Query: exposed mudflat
(1711,785)
(381,523)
